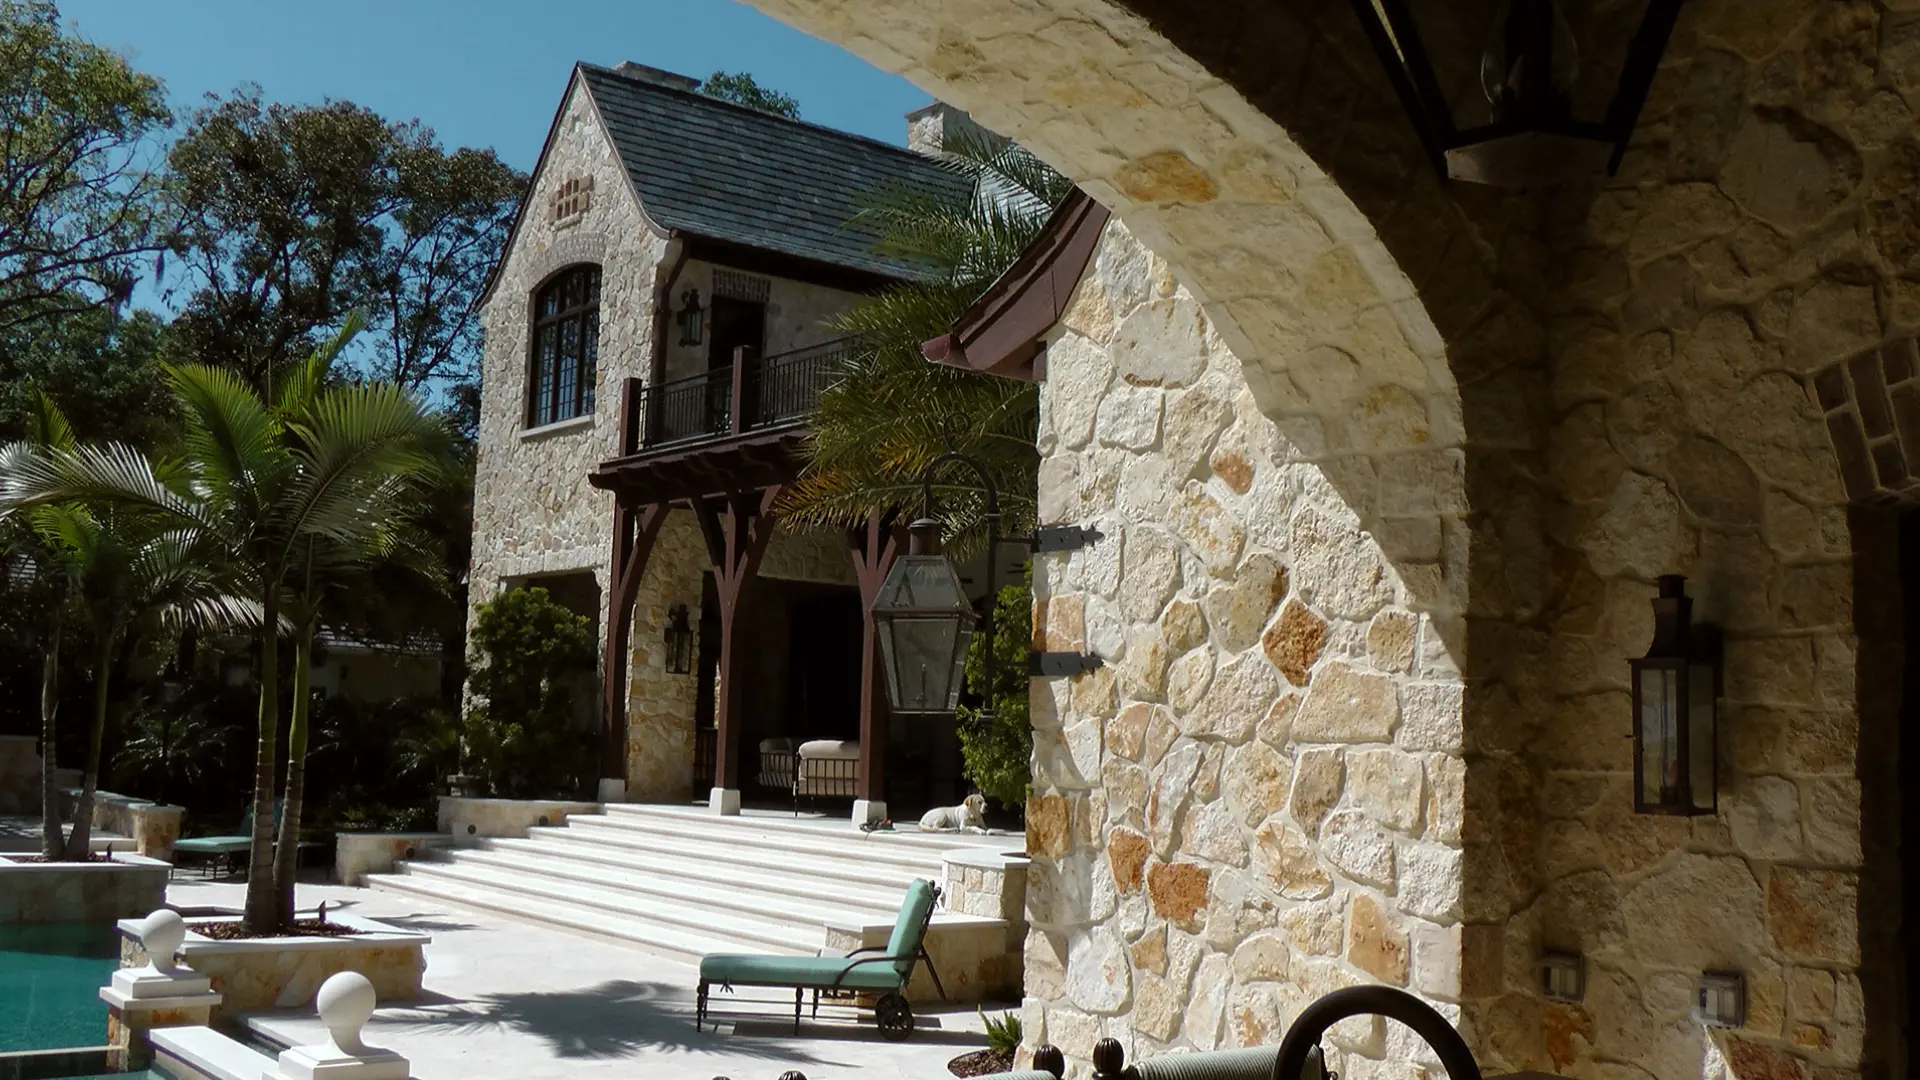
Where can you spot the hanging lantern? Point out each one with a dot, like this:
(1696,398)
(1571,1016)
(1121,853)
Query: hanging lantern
(679,641)
(1529,72)
(924,622)
(690,317)
(1676,690)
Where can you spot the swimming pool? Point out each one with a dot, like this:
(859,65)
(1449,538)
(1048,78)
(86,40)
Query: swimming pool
(50,978)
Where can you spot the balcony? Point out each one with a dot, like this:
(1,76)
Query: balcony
(748,397)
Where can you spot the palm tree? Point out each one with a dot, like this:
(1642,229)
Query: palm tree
(892,412)
(277,487)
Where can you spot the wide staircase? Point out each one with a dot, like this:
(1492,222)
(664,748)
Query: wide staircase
(681,881)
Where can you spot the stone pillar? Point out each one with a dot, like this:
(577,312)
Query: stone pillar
(345,1003)
(159,994)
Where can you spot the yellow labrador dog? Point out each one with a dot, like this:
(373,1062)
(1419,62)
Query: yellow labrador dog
(969,816)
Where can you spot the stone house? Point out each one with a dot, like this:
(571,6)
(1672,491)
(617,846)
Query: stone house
(665,237)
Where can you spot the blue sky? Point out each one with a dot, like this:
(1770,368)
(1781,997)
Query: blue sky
(480,72)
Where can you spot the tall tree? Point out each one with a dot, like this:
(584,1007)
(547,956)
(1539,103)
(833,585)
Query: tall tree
(270,482)
(292,216)
(102,369)
(76,199)
(742,89)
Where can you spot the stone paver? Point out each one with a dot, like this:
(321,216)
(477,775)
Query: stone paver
(512,1001)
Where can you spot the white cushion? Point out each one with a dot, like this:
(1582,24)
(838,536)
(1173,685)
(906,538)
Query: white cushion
(839,749)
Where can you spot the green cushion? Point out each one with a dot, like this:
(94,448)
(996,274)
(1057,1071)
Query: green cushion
(218,845)
(809,971)
(911,927)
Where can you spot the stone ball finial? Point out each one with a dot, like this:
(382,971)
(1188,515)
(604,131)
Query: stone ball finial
(345,1003)
(1109,1058)
(161,935)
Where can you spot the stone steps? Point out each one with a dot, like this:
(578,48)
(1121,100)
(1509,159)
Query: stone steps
(682,882)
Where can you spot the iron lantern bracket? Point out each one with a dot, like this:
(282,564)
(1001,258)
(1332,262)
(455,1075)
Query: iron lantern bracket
(1047,538)
(1057,664)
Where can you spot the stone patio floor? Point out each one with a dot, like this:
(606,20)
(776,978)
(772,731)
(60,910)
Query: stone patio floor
(508,1000)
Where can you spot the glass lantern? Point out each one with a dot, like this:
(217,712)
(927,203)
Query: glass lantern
(1676,690)
(679,641)
(924,623)
(690,317)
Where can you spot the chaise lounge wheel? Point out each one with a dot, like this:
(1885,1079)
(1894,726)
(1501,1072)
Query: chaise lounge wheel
(896,1018)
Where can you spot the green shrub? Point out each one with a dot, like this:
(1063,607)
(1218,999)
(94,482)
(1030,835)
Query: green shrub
(997,751)
(534,661)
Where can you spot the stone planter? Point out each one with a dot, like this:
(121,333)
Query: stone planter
(472,819)
(94,892)
(357,854)
(284,973)
(153,827)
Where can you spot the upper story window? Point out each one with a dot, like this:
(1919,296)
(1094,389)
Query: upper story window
(571,199)
(566,347)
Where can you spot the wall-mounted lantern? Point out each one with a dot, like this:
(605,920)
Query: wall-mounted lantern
(679,641)
(1529,73)
(690,317)
(1676,691)
(924,622)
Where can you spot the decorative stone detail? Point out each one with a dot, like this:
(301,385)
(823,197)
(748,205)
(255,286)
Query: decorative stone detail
(161,993)
(1872,406)
(345,1003)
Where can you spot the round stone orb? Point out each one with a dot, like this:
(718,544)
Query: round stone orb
(161,934)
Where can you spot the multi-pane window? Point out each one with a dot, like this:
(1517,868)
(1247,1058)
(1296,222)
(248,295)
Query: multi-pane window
(566,347)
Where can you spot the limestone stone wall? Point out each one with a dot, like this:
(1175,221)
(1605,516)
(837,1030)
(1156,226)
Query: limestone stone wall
(1259,799)
(818,556)
(660,704)
(534,512)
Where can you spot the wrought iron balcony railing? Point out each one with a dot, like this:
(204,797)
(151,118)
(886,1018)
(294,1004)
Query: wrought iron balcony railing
(751,394)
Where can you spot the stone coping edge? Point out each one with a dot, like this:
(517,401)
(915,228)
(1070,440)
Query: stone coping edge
(122,861)
(476,800)
(131,802)
(206,1052)
(372,934)
(354,834)
(20,738)
(985,860)
(956,919)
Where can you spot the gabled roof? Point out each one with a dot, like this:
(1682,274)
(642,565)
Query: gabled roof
(712,169)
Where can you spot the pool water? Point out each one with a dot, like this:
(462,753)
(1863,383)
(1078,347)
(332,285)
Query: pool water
(50,980)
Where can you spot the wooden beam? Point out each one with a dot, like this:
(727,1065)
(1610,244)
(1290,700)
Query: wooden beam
(634,533)
(736,542)
(874,544)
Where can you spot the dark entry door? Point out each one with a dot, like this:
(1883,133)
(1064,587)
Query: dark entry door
(736,323)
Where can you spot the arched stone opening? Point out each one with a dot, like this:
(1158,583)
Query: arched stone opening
(1616,381)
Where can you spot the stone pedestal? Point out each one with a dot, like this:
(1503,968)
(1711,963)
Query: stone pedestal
(724,801)
(345,1003)
(158,994)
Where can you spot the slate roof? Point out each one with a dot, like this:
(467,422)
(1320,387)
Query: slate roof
(726,172)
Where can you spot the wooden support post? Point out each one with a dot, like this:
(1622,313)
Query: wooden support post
(874,544)
(737,418)
(735,546)
(634,531)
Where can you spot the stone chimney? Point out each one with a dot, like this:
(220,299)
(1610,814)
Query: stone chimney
(930,126)
(663,77)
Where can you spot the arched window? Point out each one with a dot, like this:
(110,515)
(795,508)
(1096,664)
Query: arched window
(566,347)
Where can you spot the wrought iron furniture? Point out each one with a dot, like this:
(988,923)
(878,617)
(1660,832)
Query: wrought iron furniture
(884,971)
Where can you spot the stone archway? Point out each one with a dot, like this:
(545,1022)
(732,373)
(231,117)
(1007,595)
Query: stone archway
(1536,404)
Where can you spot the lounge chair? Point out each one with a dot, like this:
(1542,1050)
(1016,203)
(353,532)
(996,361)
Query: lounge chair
(886,972)
(216,850)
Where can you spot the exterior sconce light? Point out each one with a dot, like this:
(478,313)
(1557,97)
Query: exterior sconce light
(679,641)
(1563,976)
(924,623)
(1676,691)
(690,317)
(1528,74)
(1720,999)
